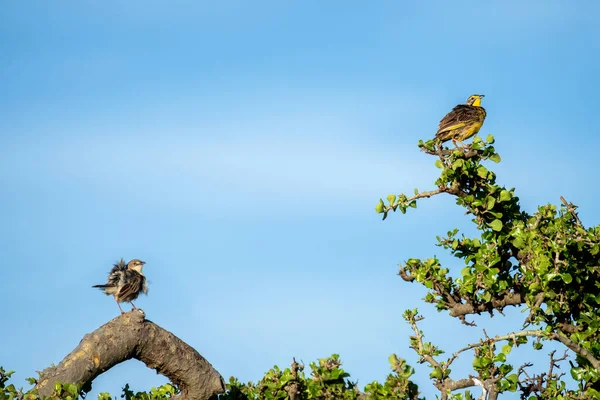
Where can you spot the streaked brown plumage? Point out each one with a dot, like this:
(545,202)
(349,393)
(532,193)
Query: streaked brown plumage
(125,282)
(463,121)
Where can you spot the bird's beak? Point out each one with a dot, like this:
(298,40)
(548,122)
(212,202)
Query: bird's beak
(482,95)
(143,262)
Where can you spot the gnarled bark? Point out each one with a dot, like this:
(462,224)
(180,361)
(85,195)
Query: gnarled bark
(132,336)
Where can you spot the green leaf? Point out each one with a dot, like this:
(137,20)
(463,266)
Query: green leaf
(485,361)
(506,348)
(487,296)
(482,171)
(490,139)
(495,158)
(496,225)
(458,163)
(439,164)
(491,202)
(379,207)
(592,393)
(577,373)
(566,277)
(518,242)
(436,374)
(505,195)
(72,389)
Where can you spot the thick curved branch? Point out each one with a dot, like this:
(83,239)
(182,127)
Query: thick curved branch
(132,336)
(446,384)
(510,299)
(576,348)
(571,345)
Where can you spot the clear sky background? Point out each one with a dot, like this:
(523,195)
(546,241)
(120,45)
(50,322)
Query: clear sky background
(240,147)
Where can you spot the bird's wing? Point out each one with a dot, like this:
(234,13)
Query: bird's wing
(457,118)
(116,273)
(133,285)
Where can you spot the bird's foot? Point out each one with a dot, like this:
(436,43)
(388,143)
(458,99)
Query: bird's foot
(462,146)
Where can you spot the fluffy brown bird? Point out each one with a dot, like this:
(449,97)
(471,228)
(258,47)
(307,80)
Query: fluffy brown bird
(125,282)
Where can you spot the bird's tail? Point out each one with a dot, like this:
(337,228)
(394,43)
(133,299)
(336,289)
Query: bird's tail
(107,289)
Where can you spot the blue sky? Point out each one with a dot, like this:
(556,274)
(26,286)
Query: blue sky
(239,148)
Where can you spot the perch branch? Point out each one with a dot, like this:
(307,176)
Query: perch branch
(131,336)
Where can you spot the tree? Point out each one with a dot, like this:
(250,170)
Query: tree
(548,262)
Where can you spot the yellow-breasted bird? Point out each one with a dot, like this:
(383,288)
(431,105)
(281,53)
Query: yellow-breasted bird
(462,122)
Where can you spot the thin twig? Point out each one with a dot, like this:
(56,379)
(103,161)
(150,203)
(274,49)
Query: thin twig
(422,195)
(419,339)
(571,208)
(539,299)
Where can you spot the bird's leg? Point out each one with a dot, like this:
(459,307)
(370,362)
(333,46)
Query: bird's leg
(462,145)
(133,305)
(122,312)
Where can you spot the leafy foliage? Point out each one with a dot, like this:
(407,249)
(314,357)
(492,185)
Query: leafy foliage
(327,381)
(70,391)
(165,391)
(548,262)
